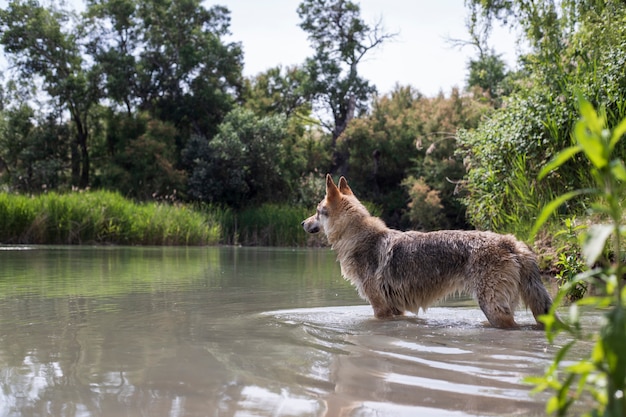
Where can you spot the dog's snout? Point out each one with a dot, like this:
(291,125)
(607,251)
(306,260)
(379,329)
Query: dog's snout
(310,226)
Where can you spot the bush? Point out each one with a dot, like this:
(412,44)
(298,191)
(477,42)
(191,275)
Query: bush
(602,374)
(424,209)
(536,123)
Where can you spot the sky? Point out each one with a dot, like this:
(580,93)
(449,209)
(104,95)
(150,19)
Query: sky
(419,56)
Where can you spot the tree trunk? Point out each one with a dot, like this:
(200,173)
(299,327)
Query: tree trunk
(80,170)
(75,162)
(84,175)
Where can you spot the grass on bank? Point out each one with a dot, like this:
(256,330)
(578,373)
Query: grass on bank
(104,217)
(100,217)
(267,225)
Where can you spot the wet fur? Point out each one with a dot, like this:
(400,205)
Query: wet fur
(405,271)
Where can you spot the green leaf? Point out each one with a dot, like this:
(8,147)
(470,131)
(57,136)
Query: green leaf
(551,208)
(591,144)
(618,132)
(618,169)
(610,284)
(552,405)
(559,160)
(582,367)
(594,242)
(590,117)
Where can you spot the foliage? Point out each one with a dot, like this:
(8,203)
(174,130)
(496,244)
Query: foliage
(603,373)
(34,154)
(266,225)
(310,190)
(168,58)
(536,120)
(409,134)
(44,44)
(570,263)
(489,73)
(141,158)
(100,217)
(242,163)
(278,92)
(340,39)
(424,207)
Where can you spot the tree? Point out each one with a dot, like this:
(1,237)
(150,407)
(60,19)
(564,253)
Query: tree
(33,152)
(168,58)
(504,154)
(140,158)
(341,39)
(115,40)
(278,92)
(407,134)
(45,43)
(489,73)
(242,163)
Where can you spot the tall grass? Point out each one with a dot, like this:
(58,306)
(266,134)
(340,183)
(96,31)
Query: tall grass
(100,217)
(267,225)
(103,217)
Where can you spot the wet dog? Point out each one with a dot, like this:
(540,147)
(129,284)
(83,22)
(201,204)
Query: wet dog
(404,271)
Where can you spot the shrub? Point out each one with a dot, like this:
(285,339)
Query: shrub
(602,374)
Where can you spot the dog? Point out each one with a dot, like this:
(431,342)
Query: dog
(399,271)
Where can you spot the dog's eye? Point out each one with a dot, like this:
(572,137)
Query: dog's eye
(323,211)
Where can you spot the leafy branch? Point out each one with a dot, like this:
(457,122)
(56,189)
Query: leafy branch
(602,374)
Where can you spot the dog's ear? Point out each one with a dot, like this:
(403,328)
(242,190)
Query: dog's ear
(332,192)
(344,187)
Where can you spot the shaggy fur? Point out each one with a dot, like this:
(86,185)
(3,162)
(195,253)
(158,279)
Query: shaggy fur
(405,271)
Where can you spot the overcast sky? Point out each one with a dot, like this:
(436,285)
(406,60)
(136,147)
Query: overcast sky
(419,56)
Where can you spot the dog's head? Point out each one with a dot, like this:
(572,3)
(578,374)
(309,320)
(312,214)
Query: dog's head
(338,199)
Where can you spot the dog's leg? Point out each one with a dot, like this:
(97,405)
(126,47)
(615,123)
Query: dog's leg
(499,316)
(497,305)
(383,311)
(386,313)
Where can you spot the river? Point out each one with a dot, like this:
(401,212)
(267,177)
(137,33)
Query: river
(228,331)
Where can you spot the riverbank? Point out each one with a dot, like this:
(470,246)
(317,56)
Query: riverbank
(100,217)
(104,217)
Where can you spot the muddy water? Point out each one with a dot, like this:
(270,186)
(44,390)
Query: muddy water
(241,332)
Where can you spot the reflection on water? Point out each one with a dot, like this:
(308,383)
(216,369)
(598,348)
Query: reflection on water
(240,332)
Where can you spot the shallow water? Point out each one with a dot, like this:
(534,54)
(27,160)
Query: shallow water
(224,331)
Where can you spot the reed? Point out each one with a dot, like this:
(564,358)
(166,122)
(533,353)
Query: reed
(267,225)
(101,217)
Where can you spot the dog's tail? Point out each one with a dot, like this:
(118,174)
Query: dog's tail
(533,292)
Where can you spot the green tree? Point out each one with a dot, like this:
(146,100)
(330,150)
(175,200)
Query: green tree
(488,72)
(242,163)
(33,153)
(168,58)
(506,152)
(278,92)
(115,39)
(45,44)
(140,158)
(409,134)
(340,39)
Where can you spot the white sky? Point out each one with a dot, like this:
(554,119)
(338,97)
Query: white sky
(419,56)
